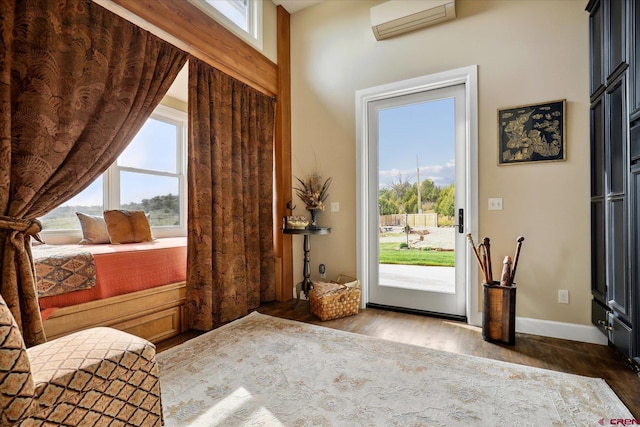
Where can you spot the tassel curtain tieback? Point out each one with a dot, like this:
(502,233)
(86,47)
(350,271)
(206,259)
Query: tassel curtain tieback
(30,227)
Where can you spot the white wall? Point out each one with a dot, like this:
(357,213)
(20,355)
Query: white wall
(270,31)
(527,51)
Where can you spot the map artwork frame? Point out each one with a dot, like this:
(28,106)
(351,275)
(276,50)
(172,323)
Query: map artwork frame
(532,133)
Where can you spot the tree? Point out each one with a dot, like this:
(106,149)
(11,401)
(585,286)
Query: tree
(398,192)
(399,188)
(167,203)
(411,204)
(388,205)
(445,205)
(428,191)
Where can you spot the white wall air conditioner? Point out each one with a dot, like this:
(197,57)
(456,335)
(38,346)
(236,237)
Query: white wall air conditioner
(401,16)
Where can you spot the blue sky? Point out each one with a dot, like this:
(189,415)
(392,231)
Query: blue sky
(426,130)
(153,148)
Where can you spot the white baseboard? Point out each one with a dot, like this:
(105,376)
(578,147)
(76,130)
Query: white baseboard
(567,331)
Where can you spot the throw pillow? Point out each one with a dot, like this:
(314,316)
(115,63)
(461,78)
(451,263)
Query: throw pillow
(94,229)
(128,226)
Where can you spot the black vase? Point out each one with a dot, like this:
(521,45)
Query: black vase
(314,218)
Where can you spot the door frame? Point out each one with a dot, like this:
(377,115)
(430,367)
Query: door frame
(467,76)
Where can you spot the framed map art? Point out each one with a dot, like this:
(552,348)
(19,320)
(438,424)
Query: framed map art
(532,133)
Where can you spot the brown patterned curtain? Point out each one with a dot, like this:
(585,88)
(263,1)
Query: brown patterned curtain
(230,266)
(76,84)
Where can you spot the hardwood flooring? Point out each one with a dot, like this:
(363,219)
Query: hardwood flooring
(573,357)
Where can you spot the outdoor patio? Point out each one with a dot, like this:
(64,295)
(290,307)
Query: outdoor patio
(418,277)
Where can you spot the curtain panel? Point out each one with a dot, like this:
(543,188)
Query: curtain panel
(76,84)
(230,264)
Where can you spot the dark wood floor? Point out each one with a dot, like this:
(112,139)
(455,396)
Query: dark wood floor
(578,358)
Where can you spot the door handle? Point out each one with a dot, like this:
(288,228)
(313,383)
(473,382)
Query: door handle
(460,220)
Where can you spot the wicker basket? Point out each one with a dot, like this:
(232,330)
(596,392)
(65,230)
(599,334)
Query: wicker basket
(337,299)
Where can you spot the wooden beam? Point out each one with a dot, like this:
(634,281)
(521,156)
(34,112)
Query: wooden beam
(190,29)
(282,147)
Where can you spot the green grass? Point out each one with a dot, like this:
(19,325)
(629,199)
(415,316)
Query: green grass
(391,254)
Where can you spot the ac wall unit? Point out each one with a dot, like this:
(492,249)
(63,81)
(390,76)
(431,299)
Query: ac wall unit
(401,16)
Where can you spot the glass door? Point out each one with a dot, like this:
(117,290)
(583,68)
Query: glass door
(418,171)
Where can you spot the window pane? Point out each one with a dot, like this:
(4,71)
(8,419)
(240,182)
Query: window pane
(63,217)
(235,10)
(153,148)
(157,196)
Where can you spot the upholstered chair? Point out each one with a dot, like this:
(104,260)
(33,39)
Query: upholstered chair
(95,377)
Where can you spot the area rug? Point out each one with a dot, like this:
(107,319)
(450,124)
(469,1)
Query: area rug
(265,371)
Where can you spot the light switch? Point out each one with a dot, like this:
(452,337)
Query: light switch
(495,203)
(335,207)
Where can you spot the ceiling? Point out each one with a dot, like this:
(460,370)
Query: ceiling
(292,6)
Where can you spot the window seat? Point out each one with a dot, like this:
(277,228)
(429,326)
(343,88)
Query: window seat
(139,288)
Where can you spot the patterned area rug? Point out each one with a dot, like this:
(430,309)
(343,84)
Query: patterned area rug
(262,370)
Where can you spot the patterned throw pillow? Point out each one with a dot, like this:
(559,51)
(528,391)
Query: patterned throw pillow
(17,390)
(128,226)
(94,229)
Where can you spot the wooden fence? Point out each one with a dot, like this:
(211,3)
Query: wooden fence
(414,220)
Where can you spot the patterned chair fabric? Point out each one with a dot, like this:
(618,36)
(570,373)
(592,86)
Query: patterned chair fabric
(17,390)
(96,377)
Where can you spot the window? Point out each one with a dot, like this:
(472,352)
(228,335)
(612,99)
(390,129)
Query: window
(236,10)
(241,17)
(149,176)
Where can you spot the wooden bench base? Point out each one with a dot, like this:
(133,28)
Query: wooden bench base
(153,314)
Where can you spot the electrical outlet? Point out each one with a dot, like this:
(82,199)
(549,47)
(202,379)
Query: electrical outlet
(495,203)
(323,271)
(563,296)
(335,206)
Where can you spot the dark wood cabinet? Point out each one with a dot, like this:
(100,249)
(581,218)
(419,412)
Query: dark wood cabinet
(615,176)
(597,149)
(618,289)
(634,60)
(634,250)
(616,124)
(616,171)
(596,33)
(598,253)
(615,12)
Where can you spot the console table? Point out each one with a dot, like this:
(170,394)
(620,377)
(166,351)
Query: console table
(306,283)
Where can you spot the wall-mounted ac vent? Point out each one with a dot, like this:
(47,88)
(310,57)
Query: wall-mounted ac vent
(396,17)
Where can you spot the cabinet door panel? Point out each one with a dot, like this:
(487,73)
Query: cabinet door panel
(617,125)
(635,58)
(598,252)
(617,289)
(634,143)
(595,34)
(634,250)
(620,335)
(617,32)
(597,148)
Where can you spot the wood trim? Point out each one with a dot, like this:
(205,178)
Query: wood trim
(188,28)
(135,311)
(282,154)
